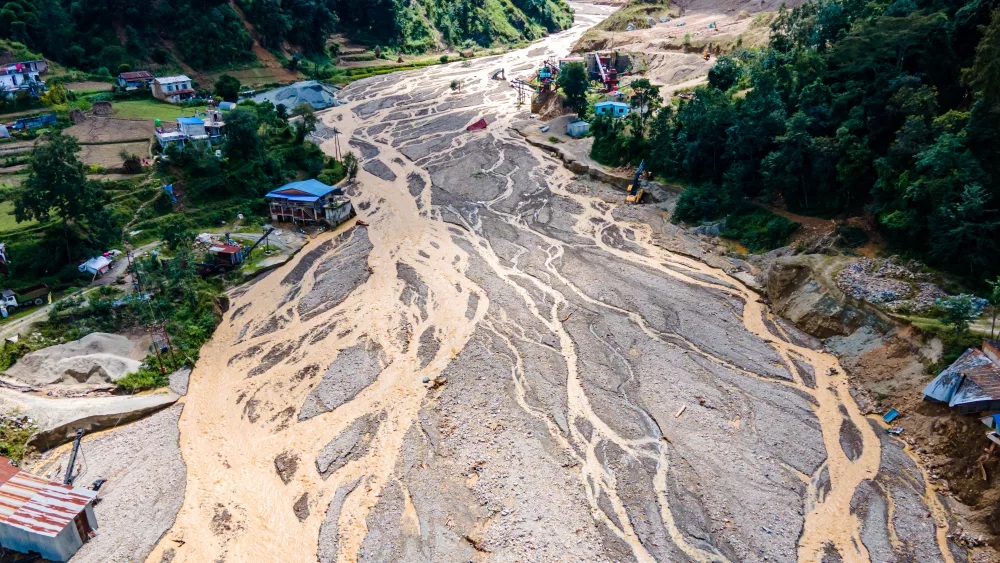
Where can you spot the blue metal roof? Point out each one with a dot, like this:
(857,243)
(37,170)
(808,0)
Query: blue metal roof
(314,187)
(190,121)
(613,104)
(964,380)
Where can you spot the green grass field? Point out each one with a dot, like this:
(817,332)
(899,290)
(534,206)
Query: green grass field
(151,109)
(7,222)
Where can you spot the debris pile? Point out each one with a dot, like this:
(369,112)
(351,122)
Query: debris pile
(14,421)
(885,282)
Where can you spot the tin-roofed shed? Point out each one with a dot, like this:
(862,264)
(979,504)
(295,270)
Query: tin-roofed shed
(42,516)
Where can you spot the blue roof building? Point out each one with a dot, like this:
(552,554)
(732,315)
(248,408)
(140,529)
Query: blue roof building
(616,109)
(309,202)
(971,383)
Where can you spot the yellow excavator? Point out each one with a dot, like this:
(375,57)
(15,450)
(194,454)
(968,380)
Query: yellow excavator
(635,191)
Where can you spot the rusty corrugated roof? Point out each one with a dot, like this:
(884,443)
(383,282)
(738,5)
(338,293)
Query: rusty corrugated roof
(38,505)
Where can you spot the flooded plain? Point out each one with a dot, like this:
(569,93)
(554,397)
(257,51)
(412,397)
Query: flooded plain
(508,364)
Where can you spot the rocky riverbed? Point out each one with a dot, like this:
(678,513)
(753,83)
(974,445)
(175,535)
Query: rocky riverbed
(509,364)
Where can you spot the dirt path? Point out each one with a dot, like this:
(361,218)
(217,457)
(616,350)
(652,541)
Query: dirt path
(508,364)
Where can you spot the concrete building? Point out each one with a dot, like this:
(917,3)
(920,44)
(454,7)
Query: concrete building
(211,128)
(972,383)
(24,76)
(615,109)
(135,80)
(173,89)
(309,202)
(42,516)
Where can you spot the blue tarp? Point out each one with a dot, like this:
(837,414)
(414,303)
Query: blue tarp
(190,121)
(169,188)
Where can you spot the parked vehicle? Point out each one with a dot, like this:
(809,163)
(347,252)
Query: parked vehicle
(24,297)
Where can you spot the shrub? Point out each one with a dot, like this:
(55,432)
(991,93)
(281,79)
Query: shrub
(757,229)
(444,59)
(851,237)
(700,203)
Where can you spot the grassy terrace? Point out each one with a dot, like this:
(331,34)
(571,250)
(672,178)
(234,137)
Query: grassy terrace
(152,109)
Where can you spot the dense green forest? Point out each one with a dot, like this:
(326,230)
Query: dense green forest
(209,34)
(407,26)
(877,107)
(107,33)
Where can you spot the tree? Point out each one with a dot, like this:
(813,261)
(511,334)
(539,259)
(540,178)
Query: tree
(351,165)
(174,232)
(959,310)
(306,123)
(574,80)
(725,74)
(645,99)
(994,300)
(242,139)
(57,185)
(228,88)
(984,75)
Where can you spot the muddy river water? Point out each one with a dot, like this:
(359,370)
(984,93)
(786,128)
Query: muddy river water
(508,364)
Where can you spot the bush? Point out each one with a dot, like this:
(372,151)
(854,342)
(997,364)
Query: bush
(851,237)
(444,59)
(700,203)
(757,229)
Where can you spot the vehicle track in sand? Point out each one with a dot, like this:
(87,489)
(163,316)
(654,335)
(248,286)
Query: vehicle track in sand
(569,337)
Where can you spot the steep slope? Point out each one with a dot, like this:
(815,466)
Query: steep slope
(216,35)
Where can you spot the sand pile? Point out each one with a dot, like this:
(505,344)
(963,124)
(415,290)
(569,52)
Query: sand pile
(97,358)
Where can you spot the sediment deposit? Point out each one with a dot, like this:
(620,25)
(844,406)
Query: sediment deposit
(508,364)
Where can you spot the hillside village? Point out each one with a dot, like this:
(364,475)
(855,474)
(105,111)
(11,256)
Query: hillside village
(179,245)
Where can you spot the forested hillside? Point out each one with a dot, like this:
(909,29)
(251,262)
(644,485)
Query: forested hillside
(415,26)
(887,108)
(209,34)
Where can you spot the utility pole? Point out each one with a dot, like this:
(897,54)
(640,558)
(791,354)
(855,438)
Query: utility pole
(68,480)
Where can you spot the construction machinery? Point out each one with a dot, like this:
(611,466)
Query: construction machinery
(607,73)
(635,190)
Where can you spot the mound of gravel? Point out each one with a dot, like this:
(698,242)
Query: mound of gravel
(97,358)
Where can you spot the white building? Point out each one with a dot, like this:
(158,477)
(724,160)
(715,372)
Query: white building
(173,89)
(24,76)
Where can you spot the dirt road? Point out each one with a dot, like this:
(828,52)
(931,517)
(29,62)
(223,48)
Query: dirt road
(508,364)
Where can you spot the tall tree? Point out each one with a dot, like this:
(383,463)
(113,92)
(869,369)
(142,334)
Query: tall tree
(228,88)
(242,139)
(57,186)
(574,80)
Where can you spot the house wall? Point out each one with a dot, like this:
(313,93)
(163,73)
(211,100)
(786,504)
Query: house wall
(58,548)
(337,216)
(991,351)
(979,406)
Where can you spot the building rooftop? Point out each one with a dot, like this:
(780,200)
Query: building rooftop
(190,121)
(225,248)
(172,79)
(38,505)
(611,103)
(136,75)
(971,378)
(307,190)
